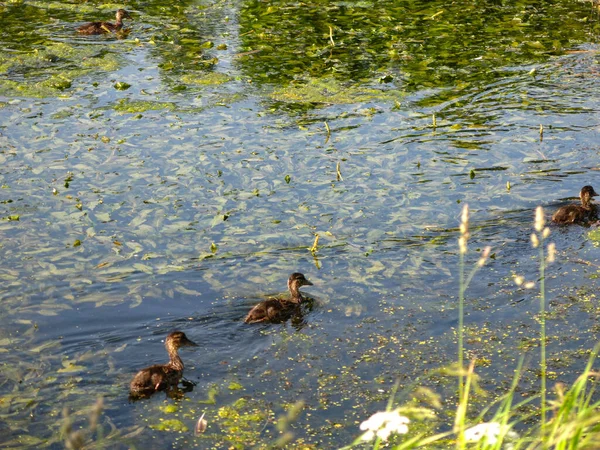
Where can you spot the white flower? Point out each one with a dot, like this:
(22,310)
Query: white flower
(383,424)
(489,432)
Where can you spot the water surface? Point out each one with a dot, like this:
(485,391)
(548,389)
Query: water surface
(182,199)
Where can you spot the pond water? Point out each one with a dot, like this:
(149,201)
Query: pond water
(172,177)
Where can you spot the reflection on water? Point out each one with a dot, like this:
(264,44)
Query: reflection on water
(181,202)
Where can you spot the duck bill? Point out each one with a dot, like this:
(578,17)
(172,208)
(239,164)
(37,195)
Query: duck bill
(189,343)
(308,283)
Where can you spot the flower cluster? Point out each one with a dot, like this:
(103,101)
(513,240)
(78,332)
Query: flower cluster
(383,424)
(489,432)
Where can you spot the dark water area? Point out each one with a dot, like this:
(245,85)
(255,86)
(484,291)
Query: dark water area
(172,177)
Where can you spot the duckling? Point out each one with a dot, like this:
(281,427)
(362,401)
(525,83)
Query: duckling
(162,376)
(578,214)
(277,309)
(105,27)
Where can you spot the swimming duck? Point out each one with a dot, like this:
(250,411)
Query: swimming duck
(105,27)
(578,214)
(278,309)
(162,376)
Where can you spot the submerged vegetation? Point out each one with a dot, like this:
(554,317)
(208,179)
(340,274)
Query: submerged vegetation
(169,178)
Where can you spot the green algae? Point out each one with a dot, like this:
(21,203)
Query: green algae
(170,425)
(169,409)
(212,78)
(79,7)
(594,236)
(48,88)
(242,421)
(49,71)
(330,91)
(139,106)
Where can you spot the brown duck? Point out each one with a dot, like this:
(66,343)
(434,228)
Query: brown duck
(162,376)
(105,27)
(578,214)
(279,309)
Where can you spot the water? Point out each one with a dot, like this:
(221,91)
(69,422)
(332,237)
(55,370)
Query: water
(127,214)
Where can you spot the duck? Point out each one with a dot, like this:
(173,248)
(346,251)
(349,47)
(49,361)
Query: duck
(162,376)
(105,27)
(277,310)
(578,214)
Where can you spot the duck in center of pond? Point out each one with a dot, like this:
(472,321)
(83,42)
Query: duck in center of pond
(277,310)
(578,214)
(162,377)
(105,27)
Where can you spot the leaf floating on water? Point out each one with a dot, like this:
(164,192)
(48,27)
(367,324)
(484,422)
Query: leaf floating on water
(45,346)
(235,386)
(376,267)
(144,268)
(288,179)
(472,174)
(70,367)
(338,172)
(77,243)
(213,248)
(14,217)
(218,219)
(103,217)
(187,291)
(120,348)
(201,425)
(535,44)
(315,245)
(122,86)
